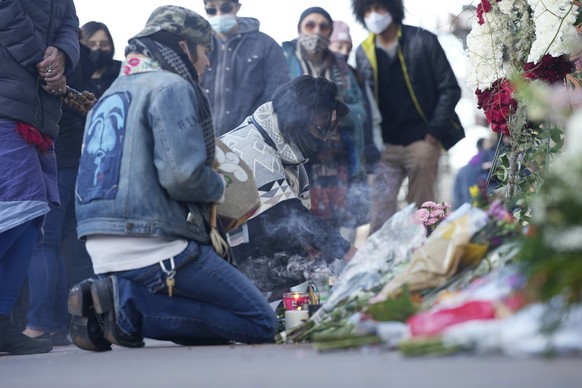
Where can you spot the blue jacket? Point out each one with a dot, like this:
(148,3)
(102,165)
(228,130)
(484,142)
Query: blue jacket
(143,163)
(27,28)
(244,72)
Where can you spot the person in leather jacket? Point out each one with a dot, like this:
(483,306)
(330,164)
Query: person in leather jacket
(416,92)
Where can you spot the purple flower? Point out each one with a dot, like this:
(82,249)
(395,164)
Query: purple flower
(498,211)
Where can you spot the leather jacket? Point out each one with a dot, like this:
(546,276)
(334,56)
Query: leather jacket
(431,76)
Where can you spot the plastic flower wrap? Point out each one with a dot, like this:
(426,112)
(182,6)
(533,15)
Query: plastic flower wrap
(384,255)
(438,259)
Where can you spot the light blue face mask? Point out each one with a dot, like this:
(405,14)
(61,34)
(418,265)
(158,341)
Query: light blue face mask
(222,24)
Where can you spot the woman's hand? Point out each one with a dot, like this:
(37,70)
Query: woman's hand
(52,70)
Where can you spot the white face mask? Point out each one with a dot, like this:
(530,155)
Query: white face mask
(222,24)
(378,22)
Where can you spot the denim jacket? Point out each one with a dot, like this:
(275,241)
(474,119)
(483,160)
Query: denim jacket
(143,162)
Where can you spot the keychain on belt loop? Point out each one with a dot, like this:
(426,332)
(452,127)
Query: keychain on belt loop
(170,273)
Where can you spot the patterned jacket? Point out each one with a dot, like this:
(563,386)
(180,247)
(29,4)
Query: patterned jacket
(283,223)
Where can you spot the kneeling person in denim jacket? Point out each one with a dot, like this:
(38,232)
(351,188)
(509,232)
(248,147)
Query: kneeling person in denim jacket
(147,162)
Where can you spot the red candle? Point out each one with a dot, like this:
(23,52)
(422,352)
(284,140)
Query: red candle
(296,300)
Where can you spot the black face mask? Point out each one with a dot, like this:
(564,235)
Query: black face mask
(101,58)
(343,57)
(310,145)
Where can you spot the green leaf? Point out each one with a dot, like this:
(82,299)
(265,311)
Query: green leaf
(399,309)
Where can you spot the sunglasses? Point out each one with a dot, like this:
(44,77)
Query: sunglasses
(323,27)
(224,8)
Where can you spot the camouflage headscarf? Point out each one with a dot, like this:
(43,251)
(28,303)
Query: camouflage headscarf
(180,21)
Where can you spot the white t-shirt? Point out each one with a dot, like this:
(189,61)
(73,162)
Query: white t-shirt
(110,253)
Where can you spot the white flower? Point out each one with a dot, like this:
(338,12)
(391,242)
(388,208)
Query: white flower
(485,62)
(507,6)
(554,28)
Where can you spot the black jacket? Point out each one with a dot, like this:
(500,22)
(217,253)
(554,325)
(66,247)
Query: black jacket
(432,78)
(27,28)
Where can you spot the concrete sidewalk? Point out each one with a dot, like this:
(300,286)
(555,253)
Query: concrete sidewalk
(162,364)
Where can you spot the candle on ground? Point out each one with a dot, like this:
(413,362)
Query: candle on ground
(295,318)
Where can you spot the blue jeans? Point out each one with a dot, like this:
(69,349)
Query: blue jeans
(212,300)
(16,247)
(47,275)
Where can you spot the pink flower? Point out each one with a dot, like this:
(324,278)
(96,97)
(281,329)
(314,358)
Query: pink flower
(134,61)
(432,221)
(437,212)
(421,215)
(429,204)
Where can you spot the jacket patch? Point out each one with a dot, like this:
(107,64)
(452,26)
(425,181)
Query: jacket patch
(102,148)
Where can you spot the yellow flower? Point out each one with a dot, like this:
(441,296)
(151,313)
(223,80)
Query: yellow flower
(474,191)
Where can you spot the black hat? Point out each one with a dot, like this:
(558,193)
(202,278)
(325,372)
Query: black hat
(311,10)
(298,102)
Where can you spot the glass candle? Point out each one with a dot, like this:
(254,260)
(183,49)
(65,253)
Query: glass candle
(296,300)
(295,318)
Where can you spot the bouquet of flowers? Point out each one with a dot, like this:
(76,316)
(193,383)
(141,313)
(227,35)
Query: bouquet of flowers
(516,43)
(431,214)
(501,227)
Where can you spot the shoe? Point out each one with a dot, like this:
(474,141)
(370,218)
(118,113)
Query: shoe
(85,328)
(197,341)
(58,338)
(103,291)
(12,341)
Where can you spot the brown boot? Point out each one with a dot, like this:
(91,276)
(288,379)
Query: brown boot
(85,329)
(103,292)
(12,341)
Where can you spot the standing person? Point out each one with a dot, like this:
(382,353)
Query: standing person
(276,141)
(97,37)
(146,163)
(340,43)
(246,67)
(330,171)
(48,278)
(416,91)
(38,44)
